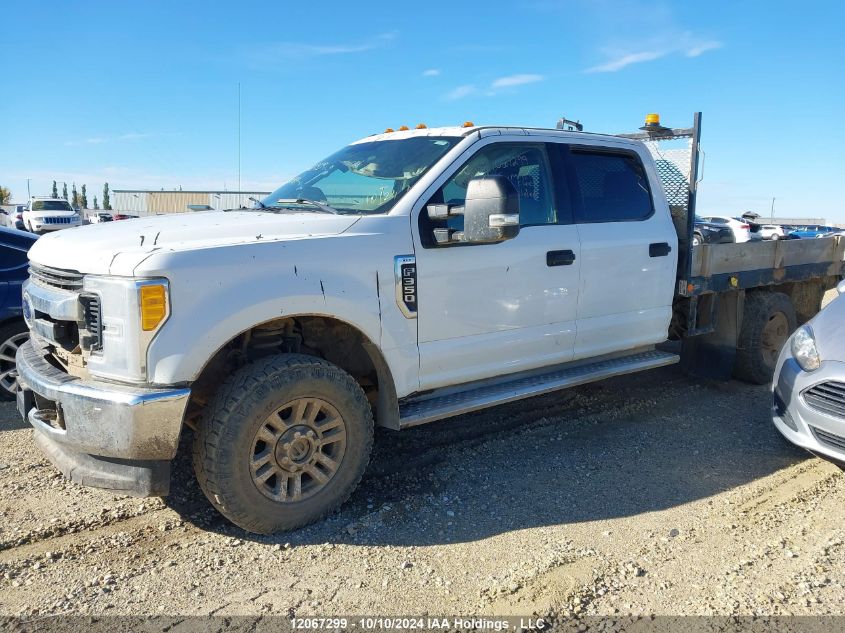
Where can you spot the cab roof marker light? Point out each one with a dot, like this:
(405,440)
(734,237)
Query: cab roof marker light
(421,126)
(389,130)
(468,124)
(403,128)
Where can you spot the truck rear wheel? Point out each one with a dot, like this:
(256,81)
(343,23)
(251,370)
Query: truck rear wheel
(767,321)
(284,442)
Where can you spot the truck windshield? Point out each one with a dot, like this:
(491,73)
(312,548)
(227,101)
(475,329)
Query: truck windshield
(368,177)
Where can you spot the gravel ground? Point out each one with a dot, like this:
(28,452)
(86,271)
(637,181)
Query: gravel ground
(652,493)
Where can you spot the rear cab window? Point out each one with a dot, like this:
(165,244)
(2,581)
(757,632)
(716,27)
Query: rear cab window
(612,186)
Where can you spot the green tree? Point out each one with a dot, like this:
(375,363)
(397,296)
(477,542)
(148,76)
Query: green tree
(106,200)
(75,201)
(83,199)
(55,193)
(5,195)
(64,191)
(95,203)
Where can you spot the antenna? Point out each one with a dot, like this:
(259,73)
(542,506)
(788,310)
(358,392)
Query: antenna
(239,138)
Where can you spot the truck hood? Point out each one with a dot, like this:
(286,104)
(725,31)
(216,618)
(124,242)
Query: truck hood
(118,247)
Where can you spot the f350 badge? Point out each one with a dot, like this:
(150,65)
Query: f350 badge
(405,271)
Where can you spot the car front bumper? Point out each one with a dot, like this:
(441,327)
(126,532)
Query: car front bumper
(99,433)
(45,226)
(801,423)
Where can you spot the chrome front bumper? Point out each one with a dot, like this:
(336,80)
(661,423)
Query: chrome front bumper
(100,433)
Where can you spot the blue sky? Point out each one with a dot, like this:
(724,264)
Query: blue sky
(144,94)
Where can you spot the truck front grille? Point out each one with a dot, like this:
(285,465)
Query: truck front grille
(56,277)
(57,220)
(92,337)
(827,397)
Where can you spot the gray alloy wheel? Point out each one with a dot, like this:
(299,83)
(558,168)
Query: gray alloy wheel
(297,450)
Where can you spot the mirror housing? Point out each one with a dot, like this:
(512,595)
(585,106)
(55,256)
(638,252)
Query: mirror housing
(491,210)
(840,287)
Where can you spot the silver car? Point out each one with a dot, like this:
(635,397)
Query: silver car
(809,384)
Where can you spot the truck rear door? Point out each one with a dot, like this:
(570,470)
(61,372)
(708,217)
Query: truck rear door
(628,250)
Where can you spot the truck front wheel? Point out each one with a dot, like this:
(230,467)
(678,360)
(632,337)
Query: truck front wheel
(284,442)
(767,321)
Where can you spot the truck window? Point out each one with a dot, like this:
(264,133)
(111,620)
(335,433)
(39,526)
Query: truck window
(613,187)
(524,165)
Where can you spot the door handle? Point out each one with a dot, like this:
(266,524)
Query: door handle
(560,258)
(659,249)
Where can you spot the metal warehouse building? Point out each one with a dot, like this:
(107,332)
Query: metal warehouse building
(144,202)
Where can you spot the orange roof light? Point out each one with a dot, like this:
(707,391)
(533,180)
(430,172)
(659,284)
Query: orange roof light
(422,126)
(468,124)
(652,119)
(388,130)
(403,128)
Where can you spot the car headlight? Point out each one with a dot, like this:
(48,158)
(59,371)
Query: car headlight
(804,349)
(132,312)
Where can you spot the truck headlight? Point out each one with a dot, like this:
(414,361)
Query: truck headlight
(804,349)
(132,313)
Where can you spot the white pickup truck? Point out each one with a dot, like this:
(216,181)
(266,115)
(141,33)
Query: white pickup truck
(411,276)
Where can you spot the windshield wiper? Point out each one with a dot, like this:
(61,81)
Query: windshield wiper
(318,205)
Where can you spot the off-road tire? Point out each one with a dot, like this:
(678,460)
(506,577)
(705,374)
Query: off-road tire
(753,364)
(224,441)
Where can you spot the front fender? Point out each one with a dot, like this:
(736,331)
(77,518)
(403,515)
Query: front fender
(216,294)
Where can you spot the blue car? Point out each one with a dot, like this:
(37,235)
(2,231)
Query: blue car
(813,231)
(14,269)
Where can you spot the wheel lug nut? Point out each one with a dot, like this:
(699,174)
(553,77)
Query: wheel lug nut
(286,447)
(297,435)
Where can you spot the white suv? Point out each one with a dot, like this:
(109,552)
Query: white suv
(44,214)
(740,228)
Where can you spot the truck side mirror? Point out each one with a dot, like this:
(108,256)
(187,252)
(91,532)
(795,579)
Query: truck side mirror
(491,210)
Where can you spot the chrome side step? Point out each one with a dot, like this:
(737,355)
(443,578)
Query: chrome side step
(438,407)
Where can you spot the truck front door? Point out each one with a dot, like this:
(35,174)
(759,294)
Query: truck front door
(491,309)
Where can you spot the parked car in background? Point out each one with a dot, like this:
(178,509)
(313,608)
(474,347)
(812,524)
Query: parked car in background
(711,233)
(99,217)
(740,228)
(809,385)
(12,217)
(772,232)
(812,231)
(14,270)
(123,216)
(44,214)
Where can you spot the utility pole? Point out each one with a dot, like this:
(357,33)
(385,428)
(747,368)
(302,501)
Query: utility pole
(239,140)
(28,194)
(773,209)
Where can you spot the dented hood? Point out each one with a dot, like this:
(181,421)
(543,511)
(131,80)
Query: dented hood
(116,248)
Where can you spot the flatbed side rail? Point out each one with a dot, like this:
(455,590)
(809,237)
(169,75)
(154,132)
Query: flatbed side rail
(721,267)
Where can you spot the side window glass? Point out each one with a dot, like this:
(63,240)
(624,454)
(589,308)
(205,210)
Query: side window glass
(526,168)
(614,187)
